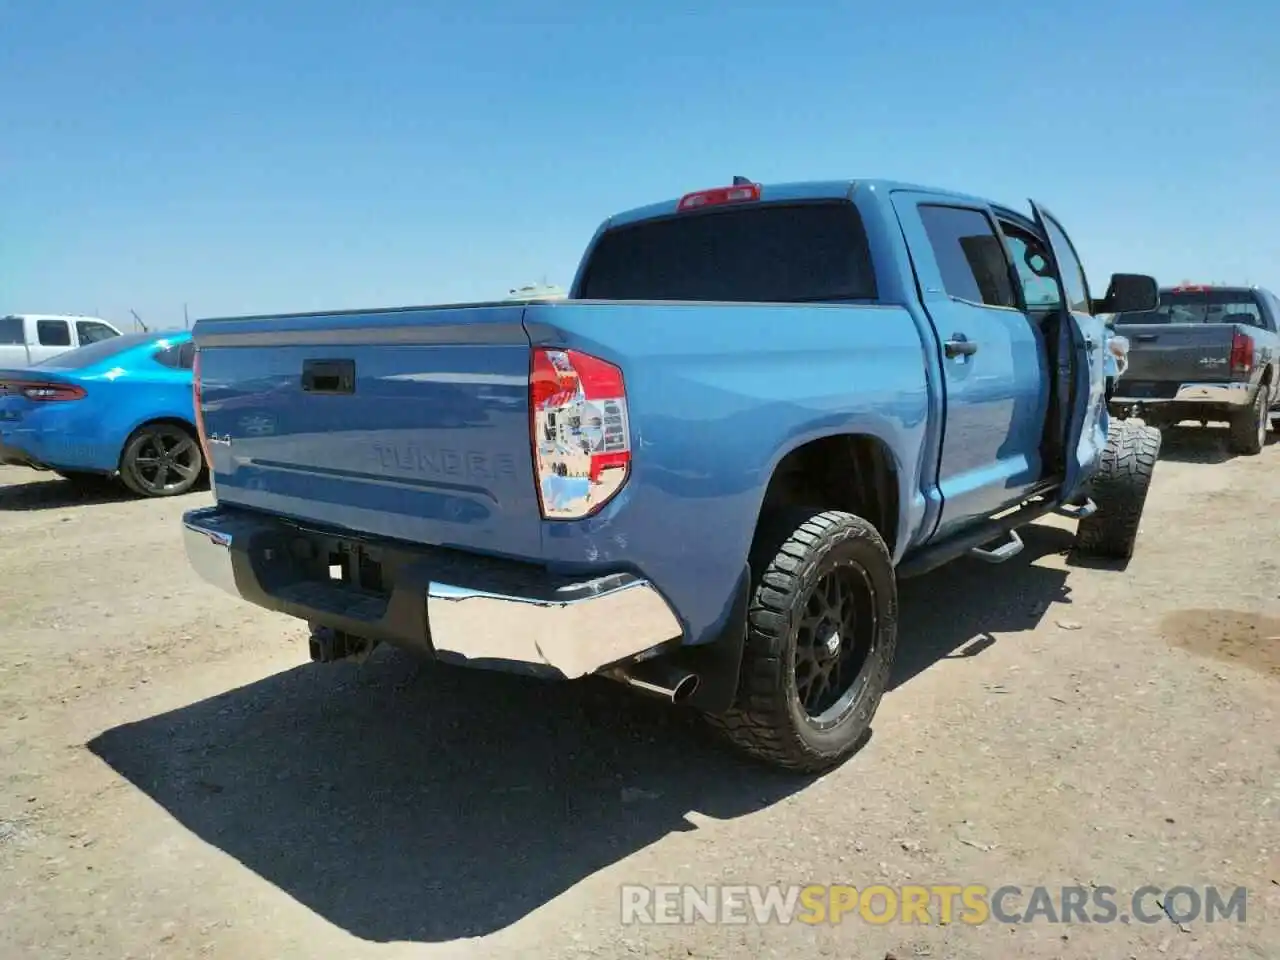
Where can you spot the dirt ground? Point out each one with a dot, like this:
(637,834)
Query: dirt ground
(177,781)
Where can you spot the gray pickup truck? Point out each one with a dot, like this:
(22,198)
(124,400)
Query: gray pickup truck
(1205,353)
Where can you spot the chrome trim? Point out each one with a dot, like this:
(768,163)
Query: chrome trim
(1231,394)
(207,536)
(574,635)
(664,680)
(1236,394)
(576,629)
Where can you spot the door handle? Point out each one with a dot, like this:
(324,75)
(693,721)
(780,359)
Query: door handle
(1148,337)
(959,346)
(329,376)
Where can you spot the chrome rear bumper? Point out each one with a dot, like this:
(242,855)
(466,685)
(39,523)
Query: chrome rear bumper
(1227,394)
(483,613)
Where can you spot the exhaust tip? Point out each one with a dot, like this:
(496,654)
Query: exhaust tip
(685,688)
(672,685)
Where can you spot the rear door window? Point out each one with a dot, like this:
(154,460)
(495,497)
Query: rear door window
(90,331)
(766,253)
(970,256)
(53,333)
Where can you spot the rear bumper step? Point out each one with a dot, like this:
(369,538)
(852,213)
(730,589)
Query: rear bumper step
(450,604)
(1227,394)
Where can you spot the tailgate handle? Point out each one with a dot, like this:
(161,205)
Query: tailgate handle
(329,376)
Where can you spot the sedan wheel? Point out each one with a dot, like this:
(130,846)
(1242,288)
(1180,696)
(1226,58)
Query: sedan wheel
(161,460)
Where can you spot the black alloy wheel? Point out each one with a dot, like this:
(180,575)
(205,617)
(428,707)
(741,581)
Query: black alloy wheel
(161,460)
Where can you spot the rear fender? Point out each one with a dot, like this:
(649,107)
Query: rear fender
(715,400)
(179,418)
(911,503)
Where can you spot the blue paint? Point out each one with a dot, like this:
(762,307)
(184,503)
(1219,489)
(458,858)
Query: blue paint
(123,390)
(434,446)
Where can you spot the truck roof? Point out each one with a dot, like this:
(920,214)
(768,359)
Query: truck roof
(807,190)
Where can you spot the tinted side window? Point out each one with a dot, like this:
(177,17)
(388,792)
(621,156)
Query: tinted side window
(1273,302)
(11,330)
(90,332)
(970,255)
(1073,278)
(180,356)
(53,333)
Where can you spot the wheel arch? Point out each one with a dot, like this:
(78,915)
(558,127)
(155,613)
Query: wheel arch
(165,418)
(855,471)
(182,423)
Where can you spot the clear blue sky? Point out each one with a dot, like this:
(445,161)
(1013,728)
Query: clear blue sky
(273,156)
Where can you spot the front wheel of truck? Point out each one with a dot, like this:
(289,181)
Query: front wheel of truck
(1119,490)
(822,628)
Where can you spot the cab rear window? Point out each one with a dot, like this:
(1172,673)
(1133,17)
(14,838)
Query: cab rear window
(1200,306)
(765,253)
(12,331)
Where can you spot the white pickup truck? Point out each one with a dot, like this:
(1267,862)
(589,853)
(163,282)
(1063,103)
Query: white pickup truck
(28,338)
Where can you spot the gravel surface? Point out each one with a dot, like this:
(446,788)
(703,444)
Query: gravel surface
(177,781)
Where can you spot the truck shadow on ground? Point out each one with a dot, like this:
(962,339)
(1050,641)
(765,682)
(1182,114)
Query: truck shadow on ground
(953,612)
(409,801)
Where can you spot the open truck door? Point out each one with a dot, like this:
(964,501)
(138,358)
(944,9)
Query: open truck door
(1081,372)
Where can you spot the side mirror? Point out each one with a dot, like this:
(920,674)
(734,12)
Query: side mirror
(1129,293)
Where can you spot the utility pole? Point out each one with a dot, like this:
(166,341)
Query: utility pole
(186,321)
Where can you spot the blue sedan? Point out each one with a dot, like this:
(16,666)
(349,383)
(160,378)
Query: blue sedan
(119,407)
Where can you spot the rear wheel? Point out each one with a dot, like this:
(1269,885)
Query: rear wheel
(1119,490)
(821,633)
(1249,426)
(161,460)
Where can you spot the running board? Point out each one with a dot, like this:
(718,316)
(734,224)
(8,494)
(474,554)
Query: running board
(1078,511)
(1006,551)
(971,540)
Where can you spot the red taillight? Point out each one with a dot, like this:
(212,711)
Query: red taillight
(196,399)
(741,193)
(42,392)
(1241,353)
(579,429)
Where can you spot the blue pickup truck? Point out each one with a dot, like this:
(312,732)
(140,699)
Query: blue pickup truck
(703,473)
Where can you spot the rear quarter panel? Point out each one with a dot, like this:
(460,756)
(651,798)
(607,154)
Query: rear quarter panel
(118,407)
(718,394)
(90,434)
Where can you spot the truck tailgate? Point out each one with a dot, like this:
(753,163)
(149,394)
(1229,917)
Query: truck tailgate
(1173,353)
(408,424)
